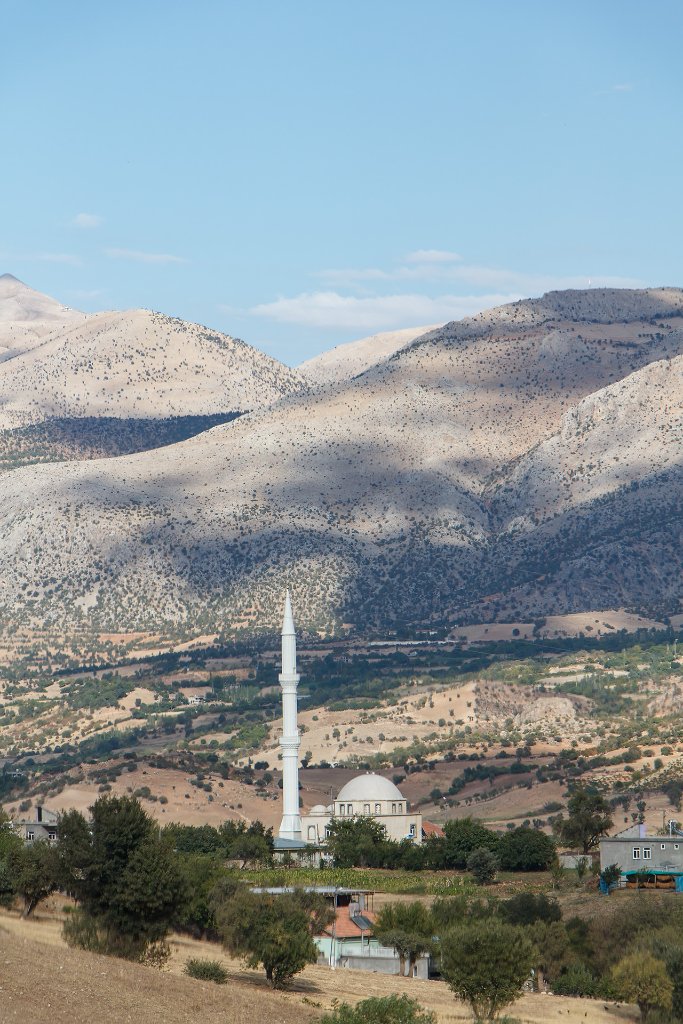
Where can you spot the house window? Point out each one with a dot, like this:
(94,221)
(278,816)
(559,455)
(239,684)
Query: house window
(636,853)
(52,836)
(647,853)
(378,808)
(366,808)
(663,846)
(30,836)
(676,846)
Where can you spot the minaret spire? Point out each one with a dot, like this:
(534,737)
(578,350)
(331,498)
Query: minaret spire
(290,827)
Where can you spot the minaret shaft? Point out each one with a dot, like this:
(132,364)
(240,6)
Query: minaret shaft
(290,827)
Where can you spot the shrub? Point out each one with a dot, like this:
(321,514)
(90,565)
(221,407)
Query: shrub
(577,980)
(483,865)
(206,970)
(386,1010)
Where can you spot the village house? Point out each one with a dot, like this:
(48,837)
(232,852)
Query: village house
(41,824)
(651,862)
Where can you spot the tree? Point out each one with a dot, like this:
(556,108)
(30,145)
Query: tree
(486,964)
(35,872)
(10,844)
(462,836)
(589,818)
(641,978)
(251,849)
(483,865)
(408,928)
(130,887)
(383,1010)
(269,930)
(356,842)
(526,849)
(528,907)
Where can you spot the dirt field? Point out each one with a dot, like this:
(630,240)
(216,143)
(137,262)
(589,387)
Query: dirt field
(44,981)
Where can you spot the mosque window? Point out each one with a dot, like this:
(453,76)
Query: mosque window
(342,808)
(366,808)
(378,808)
(311,831)
(393,808)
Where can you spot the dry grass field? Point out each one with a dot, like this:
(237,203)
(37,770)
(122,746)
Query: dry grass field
(44,981)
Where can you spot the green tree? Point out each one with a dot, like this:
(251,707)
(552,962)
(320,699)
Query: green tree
(35,873)
(486,964)
(483,865)
(356,842)
(528,907)
(526,849)
(408,928)
(273,931)
(590,817)
(10,844)
(641,978)
(130,887)
(380,1010)
(462,836)
(610,875)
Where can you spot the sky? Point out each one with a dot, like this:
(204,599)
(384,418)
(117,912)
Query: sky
(300,174)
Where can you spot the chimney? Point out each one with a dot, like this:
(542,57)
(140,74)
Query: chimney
(642,830)
(39,813)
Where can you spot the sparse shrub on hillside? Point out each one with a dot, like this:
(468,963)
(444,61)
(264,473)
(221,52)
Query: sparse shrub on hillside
(206,970)
(381,1010)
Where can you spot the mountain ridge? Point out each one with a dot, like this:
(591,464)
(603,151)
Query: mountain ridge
(416,492)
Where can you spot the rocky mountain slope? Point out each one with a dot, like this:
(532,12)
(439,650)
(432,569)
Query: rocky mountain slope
(27,316)
(524,461)
(346,361)
(76,386)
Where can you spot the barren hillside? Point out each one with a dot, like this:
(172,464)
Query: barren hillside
(27,316)
(442,482)
(138,364)
(346,361)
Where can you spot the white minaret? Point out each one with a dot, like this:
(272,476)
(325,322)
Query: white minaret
(290,827)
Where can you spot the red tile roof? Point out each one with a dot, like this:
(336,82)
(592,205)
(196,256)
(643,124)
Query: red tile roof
(430,829)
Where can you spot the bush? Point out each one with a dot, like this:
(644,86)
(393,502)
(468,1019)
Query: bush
(577,980)
(206,970)
(526,849)
(387,1010)
(527,907)
(641,978)
(483,865)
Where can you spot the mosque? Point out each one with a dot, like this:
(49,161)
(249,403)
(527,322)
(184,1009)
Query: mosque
(368,795)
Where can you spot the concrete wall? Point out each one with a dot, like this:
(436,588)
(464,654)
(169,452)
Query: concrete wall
(665,853)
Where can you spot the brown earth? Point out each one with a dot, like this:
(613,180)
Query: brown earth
(44,981)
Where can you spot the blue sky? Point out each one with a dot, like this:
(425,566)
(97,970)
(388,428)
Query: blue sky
(303,173)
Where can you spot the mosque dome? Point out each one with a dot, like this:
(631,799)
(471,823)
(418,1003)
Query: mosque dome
(370,787)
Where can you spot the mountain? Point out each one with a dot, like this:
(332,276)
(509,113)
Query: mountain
(523,461)
(85,386)
(27,316)
(346,361)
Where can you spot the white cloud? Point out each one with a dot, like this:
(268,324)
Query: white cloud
(143,257)
(472,277)
(55,257)
(87,220)
(622,87)
(432,256)
(372,313)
